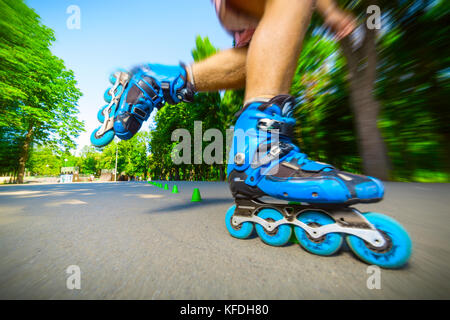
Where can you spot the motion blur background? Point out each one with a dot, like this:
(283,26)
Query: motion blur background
(374,103)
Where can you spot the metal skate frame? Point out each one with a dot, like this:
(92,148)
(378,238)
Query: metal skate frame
(122,78)
(348,220)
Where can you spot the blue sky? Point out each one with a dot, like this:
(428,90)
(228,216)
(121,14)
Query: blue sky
(119,34)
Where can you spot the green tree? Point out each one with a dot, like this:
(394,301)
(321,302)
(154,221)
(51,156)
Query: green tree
(88,160)
(38,98)
(44,161)
(183,115)
(413,83)
(323,114)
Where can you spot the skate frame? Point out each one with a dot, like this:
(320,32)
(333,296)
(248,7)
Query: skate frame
(122,78)
(348,220)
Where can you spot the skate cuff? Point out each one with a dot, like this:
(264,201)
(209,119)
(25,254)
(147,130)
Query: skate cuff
(190,75)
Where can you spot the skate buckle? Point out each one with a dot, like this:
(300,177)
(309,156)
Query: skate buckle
(275,151)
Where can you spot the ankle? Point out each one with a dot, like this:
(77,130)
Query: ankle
(261,98)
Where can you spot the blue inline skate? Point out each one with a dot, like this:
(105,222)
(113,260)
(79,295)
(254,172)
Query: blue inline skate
(133,97)
(263,161)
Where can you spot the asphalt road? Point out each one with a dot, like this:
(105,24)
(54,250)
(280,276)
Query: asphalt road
(136,241)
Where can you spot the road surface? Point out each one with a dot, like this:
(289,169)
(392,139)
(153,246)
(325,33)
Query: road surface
(132,240)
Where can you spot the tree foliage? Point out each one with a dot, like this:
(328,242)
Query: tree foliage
(38,95)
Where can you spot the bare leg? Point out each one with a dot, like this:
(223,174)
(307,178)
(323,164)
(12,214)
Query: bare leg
(224,70)
(269,64)
(275,47)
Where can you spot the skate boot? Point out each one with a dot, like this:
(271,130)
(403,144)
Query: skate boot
(263,162)
(133,97)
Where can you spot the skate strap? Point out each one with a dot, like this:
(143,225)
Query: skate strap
(284,128)
(144,87)
(270,152)
(149,86)
(292,168)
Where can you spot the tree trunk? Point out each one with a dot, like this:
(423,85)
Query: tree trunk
(362,64)
(370,142)
(222,172)
(24,154)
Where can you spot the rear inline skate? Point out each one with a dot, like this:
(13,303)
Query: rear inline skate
(133,97)
(263,161)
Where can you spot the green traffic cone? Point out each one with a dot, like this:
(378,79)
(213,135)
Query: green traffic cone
(166,187)
(175,189)
(196,196)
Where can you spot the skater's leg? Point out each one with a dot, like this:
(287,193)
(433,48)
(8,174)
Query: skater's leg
(152,85)
(276,43)
(224,70)
(253,8)
(275,47)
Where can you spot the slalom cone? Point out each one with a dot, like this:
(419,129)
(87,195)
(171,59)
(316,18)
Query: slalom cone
(175,189)
(196,196)
(166,187)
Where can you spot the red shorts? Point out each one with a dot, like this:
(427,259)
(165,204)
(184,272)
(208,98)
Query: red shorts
(238,24)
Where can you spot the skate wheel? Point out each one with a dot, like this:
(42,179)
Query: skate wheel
(280,235)
(100,116)
(397,251)
(241,231)
(102,141)
(107,96)
(325,245)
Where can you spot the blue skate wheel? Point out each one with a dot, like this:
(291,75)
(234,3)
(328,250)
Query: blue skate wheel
(100,115)
(102,141)
(241,231)
(280,235)
(325,245)
(397,251)
(107,96)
